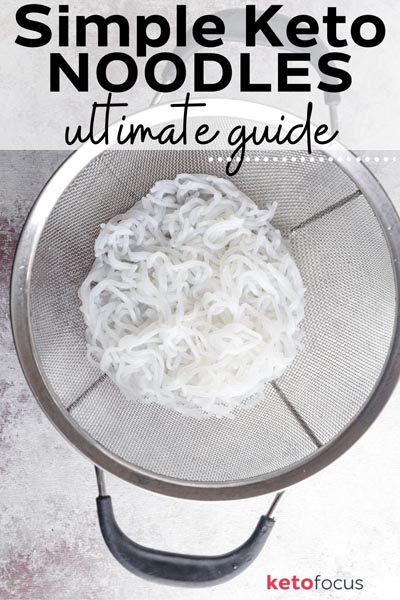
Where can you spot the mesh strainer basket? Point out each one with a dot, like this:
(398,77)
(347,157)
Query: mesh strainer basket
(344,235)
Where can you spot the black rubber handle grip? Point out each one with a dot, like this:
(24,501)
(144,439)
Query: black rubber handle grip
(178,569)
(235,25)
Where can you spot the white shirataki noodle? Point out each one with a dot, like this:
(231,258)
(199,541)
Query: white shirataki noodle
(193,301)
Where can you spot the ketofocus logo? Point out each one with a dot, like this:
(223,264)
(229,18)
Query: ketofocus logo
(318,582)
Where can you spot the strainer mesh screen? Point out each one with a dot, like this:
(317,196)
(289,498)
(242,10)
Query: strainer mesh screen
(345,263)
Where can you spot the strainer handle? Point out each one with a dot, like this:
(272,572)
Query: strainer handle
(235,32)
(180,569)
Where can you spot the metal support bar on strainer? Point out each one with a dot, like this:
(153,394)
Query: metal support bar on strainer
(179,569)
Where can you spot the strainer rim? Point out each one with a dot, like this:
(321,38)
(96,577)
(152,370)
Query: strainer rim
(98,454)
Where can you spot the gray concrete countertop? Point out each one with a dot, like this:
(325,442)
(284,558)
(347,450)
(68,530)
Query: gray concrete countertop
(343,522)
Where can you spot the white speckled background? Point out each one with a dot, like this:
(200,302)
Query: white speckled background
(343,522)
(33,118)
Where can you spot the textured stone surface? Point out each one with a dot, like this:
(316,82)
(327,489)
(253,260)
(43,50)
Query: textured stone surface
(343,522)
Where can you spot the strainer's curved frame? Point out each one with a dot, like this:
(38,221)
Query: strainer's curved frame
(20,314)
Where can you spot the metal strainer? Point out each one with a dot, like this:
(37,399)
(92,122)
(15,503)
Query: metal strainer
(345,238)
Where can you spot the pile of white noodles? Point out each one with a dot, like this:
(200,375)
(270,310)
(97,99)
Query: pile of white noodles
(193,301)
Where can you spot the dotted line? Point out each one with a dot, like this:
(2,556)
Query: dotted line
(305,159)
